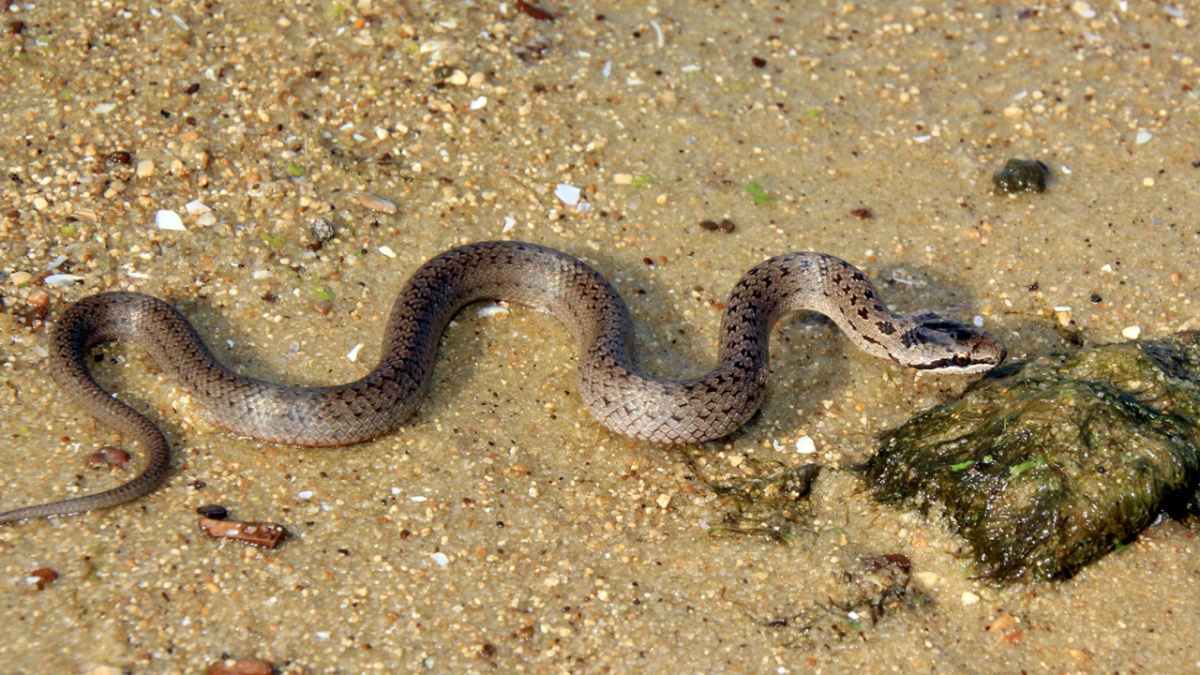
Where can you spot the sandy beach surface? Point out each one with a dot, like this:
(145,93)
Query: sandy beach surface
(186,149)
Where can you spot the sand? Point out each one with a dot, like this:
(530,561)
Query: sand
(502,529)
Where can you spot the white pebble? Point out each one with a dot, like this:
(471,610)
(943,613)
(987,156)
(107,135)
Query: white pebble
(416,498)
(569,194)
(169,220)
(1083,9)
(1143,137)
(307,494)
(805,445)
(145,168)
(977,320)
(440,558)
(353,355)
(387,250)
(1131,332)
(509,223)
(969,598)
(479,103)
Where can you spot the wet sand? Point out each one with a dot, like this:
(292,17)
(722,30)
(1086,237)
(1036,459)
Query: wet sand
(503,529)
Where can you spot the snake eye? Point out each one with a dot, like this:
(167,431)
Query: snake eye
(961,360)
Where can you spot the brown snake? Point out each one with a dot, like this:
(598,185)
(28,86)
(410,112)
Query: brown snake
(623,400)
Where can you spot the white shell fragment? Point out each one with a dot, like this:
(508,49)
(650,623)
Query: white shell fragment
(196,207)
(569,194)
(60,280)
(169,220)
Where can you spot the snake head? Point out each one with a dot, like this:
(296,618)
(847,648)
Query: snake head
(944,345)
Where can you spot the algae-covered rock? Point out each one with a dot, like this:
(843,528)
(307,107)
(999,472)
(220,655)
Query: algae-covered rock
(1048,464)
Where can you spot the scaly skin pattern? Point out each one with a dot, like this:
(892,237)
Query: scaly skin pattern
(620,398)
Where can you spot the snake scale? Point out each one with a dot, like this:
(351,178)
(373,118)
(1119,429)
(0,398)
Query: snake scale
(620,398)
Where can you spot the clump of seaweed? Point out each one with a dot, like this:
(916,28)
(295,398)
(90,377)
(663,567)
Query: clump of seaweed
(771,506)
(1022,175)
(861,595)
(1046,465)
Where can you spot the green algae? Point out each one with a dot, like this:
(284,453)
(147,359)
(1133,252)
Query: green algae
(1046,465)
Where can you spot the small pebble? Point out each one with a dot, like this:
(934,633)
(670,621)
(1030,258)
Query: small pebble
(1022,175)
(42,577)
(727,225)
(108,456)
(862,213)
(623,178)
(38,298)
(1131,332)
(214,511)
(709,225)
(118,158)
(969,598)
(19,278)
(145,168)
(458,78)
(323,307)
(323,230)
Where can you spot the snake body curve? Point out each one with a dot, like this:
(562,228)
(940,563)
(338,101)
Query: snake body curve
(620,398)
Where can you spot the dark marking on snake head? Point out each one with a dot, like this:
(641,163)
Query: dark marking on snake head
(885,327)
(863,313)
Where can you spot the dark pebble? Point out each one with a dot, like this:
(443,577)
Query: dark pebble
(534,11)
(1022,175)
(323,230)
(108,456)
(214,511)
(759,62)
(709,225)
(727,225)
(323,307)
(1096,297)
(44,575)
(862,213)
(118,158)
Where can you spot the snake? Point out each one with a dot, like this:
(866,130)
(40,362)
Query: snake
(613,391)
